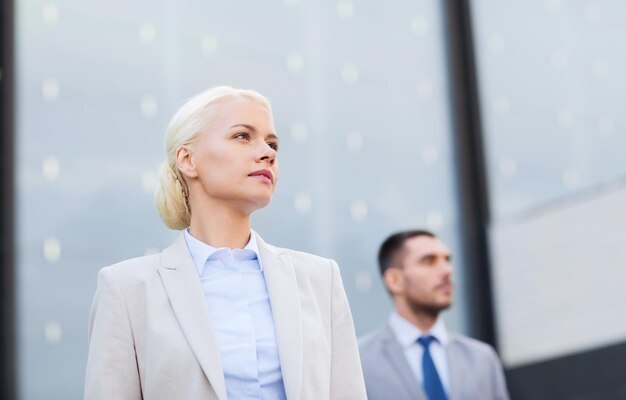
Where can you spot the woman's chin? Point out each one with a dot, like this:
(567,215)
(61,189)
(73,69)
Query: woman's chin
(258,202)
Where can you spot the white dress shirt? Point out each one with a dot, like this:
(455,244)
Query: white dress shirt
(241,314)
(407,334)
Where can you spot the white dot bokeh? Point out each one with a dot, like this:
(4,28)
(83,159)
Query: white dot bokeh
(209,44)
(51,168)
(149,106)
(434,220)
(345,9)
(53,333)
(295,63)
(358,210)
(419,25)
(149,181)
(299,132)
(363,281)
(147,33)
(50,90)
(50,13)
(424,88)
(354,142)
(303,203)
(350,74)
(52,249)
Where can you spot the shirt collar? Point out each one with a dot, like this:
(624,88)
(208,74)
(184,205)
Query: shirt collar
(200,251)
(407,333)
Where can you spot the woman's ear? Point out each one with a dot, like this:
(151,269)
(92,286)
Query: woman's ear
(394,281)
(185,163)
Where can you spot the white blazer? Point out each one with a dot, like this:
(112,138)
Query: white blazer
(150,333)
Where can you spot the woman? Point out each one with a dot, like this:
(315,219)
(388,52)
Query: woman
(220,313)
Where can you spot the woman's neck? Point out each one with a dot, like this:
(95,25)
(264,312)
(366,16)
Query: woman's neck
(220,226)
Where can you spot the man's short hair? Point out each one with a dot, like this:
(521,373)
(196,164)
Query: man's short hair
(390,250)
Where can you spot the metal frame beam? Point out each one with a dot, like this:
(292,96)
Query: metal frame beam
(470,168)
(7,242)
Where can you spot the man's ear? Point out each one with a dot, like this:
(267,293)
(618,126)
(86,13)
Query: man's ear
(185,162)
(394,280)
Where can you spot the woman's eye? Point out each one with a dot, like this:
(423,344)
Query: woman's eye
(273,145)
(242,136)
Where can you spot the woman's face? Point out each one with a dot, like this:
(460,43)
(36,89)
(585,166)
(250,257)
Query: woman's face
(234,161)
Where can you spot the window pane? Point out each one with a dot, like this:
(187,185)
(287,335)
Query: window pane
(360,96)
(552,93)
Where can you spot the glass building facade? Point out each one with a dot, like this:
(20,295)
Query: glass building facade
(363,100)
(363,114)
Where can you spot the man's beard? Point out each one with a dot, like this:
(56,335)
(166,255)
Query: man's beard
(432,310)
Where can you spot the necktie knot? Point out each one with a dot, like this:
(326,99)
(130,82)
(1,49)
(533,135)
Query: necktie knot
(425,341)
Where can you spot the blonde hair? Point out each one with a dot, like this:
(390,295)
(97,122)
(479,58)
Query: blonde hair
(172,195)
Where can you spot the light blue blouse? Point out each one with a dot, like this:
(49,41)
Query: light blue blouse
(241,314)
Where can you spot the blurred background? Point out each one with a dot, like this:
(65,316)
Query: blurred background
(497,124)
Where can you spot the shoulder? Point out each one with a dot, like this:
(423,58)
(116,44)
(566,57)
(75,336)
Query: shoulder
(470,343)
(301,258)
(307,264)
(471,347)
(131,270)
(373,342)
(373,338)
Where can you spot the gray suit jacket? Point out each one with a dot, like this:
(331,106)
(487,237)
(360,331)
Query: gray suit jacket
(475,370)
(150,332)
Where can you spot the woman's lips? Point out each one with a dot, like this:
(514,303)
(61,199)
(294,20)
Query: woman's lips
(264,175)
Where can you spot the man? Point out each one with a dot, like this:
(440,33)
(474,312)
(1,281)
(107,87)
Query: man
(414,356)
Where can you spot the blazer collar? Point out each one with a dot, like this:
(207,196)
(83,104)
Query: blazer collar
(182,284)
(201,252)
(284,293)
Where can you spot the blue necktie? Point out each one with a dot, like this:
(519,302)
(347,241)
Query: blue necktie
(432,383)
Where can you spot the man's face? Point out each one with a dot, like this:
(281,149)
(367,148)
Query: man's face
(423,278)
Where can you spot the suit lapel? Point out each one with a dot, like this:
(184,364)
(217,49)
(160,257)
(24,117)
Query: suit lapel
(457,367)
(282,286)
(183,287)
(395,355)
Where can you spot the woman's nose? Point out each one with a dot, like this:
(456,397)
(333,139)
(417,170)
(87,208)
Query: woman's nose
(267,154)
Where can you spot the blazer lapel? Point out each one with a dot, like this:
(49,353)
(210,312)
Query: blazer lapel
(456,366)
(183,287)
(282,286)
(396,357)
